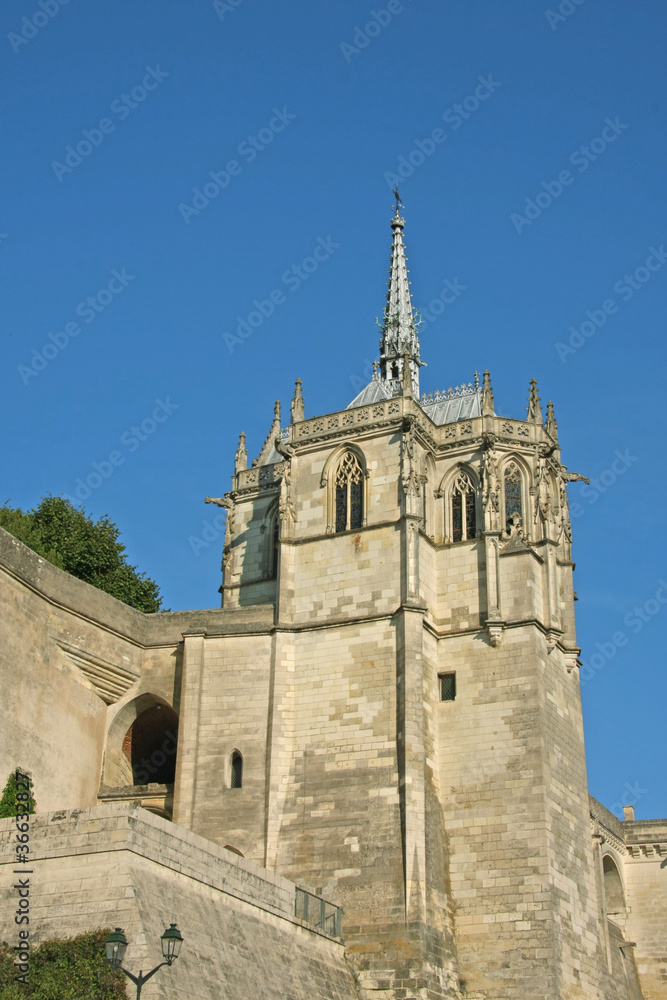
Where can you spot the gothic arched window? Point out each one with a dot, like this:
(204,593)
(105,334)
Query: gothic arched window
(464,521)
(237,770)
(513,501)
(349,493)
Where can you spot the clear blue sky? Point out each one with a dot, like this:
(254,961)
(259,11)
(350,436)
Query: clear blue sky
(302,116)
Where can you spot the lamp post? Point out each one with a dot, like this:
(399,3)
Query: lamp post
(116,945)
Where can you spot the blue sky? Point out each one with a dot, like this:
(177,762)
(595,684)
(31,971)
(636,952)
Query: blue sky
(541,198)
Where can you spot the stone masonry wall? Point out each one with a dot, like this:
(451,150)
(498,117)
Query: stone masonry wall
(522,867)
(56,633)
(117,865)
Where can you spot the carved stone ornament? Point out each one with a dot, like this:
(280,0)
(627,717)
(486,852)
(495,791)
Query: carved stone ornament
(563,478)
(542,492)
(285,505)
(495,630)
(227,503)
(409,476)
(490,482)
(515,535)
(552,637)
(241,457)
(297,409)
(283,448)
(571,657)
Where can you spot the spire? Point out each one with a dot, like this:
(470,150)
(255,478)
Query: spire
(550,426)
(297,403)
(534,408)
(399,333)
(267,447)
(487,395)
(241,458)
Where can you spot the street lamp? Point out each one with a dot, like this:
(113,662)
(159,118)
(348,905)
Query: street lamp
(116,945)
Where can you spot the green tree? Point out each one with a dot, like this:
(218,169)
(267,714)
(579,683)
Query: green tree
(69,969)
(67,537)
(8,802)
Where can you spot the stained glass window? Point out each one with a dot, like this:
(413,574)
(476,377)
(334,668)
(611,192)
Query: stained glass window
(457,517)
(513,502)
(349,493)
(464,522)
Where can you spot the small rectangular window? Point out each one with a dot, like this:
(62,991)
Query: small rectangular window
(447,687)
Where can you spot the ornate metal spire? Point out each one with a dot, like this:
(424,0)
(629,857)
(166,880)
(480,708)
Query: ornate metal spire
(534,408)
(399,332)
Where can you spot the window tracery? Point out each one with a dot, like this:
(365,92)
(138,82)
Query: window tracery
(513,494)
(464,520)
(349,493)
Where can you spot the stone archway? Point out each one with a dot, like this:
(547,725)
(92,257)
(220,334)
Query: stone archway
(150,744)
(140,755)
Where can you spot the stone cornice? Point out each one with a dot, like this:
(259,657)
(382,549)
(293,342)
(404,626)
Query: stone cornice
(652,850)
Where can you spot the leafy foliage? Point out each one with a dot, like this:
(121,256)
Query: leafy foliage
(90,550)
(70,969)
(8,807)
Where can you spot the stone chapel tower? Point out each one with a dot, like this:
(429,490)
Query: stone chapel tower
(408,719)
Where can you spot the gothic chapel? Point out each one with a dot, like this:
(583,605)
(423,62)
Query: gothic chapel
(382,722)
(426,767)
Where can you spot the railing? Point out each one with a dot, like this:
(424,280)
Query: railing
(317,913)
(465,389)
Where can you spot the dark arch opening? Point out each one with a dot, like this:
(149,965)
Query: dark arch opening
(150,746)
(237,770)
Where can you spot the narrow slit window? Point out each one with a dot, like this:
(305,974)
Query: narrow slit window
(237,770)
(447,687)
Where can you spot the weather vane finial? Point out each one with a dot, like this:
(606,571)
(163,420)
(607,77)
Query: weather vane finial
(398,198)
